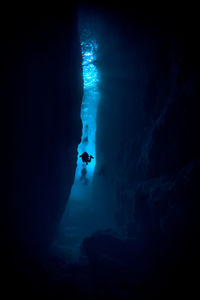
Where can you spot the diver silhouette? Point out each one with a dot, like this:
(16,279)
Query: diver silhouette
(85,138)
(86,158)
(83,176)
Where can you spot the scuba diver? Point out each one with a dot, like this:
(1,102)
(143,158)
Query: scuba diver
(86,158)
(85,138)
(83,176)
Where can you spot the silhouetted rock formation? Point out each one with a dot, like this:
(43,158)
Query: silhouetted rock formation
(40,123)
(150,141)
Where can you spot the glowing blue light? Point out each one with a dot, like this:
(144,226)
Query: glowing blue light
(89,107)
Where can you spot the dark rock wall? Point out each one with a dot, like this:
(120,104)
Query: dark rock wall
(40,122)
(148,124)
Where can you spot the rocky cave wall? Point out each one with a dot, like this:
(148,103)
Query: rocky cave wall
(40,123)
(147,129)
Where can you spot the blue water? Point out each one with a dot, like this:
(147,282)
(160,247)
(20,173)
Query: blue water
(81,217)
(89,49)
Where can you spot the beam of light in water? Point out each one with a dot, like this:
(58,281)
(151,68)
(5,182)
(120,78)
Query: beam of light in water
(89,48)
(81,216)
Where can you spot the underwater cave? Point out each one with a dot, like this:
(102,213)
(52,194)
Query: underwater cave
(119,83)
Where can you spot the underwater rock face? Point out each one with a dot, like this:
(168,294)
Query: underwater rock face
(149,143)
(42,92)
(149,83)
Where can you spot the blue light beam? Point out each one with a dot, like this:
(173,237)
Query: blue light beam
(89,107)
